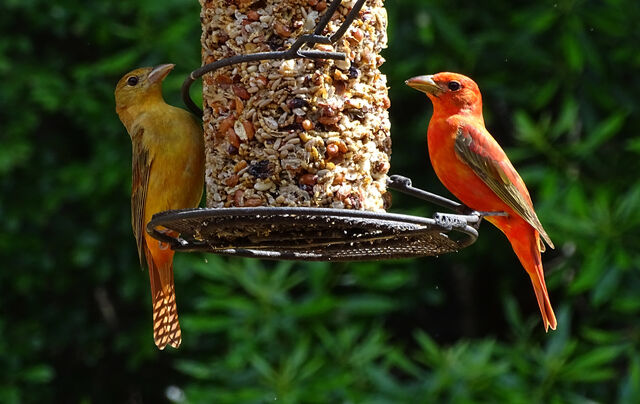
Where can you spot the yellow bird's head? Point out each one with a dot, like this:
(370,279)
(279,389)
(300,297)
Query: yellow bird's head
(140,85)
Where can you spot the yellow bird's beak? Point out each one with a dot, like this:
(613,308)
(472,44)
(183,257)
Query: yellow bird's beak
(160,72)
(424,84)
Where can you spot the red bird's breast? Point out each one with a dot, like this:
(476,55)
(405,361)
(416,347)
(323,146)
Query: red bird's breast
(454,174)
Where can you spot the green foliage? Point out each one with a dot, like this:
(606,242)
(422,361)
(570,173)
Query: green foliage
(560,88)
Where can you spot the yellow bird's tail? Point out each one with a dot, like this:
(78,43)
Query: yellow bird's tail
(166,328)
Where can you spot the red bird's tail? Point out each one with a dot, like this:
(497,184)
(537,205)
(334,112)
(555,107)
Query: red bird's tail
(528,251)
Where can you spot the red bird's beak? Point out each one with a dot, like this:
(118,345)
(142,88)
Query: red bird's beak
(424,84)
(160,72)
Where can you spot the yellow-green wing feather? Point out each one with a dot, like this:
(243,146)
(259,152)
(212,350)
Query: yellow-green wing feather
(473,151)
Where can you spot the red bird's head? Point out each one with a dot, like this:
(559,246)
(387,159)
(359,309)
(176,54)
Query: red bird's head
(450,93)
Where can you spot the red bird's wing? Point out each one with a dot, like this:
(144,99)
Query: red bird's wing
(141,167)
(481,152)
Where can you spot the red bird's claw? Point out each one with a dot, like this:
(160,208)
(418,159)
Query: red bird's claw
(483,214)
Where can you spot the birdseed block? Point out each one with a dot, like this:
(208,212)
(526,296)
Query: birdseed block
(297,132)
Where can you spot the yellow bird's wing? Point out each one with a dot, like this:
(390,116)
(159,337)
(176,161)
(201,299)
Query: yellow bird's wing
(141,167)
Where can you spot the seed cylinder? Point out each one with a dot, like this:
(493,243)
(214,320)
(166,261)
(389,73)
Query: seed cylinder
(296,132)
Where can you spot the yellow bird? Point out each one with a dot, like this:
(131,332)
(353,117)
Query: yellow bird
(168,173)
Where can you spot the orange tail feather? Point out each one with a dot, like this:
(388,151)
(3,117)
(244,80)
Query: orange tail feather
(528,251)
(166,328)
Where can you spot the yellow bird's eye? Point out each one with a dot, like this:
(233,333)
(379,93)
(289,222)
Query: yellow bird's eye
(132,81)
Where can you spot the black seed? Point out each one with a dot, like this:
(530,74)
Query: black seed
(261,169)
(357,114)
(353,73)
(232,150)
(292,127)
(297,103)
(275,42)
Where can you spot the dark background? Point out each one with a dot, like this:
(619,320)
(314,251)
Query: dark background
(561,87)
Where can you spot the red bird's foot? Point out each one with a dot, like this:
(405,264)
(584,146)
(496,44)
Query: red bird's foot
(483,214)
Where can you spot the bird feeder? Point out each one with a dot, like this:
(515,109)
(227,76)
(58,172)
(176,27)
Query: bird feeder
(297,139)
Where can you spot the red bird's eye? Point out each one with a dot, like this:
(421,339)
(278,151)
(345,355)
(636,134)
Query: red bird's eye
(454,86)
(132,81)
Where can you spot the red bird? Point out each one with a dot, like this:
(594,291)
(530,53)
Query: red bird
(471,164)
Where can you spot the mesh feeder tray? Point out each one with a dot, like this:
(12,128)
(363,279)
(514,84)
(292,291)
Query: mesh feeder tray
(316,231)
(319,234)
